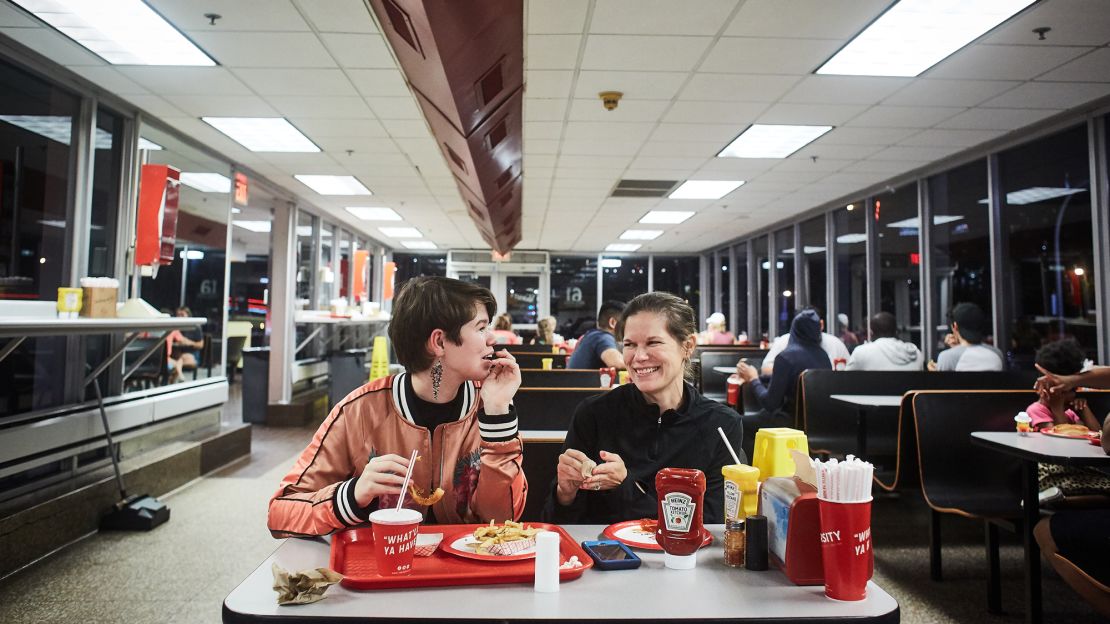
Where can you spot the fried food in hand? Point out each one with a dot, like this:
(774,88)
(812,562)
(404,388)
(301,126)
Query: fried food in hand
(423,497)
(490,536)
(588,468)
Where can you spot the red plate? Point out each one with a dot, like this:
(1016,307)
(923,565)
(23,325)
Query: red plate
(1050,431)
(457,545)
(629,533)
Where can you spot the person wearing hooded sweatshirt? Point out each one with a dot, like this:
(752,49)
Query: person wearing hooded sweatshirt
(885,352)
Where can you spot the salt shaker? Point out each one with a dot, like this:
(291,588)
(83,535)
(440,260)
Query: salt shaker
(547,562)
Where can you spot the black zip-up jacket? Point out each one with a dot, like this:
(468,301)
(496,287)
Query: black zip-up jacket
(621,421)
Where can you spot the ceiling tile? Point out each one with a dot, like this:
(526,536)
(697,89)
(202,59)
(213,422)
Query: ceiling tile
(594,130)
(241,15)
(843,89)
(296,81)
(742,88)
(1071,21)
(722,133)
(359,50)
(109,79)
(264,49)
(756,55)
(822,149)
(1093,67)
(813,19)
(1003,62)
(14,18)
(406,127)
(54,45)
(545,109)
(186,80)
(737,113)
(866,136)
(379,82)
(634,85)
(540,146)
(565,16)
(345,16)
(811,114)
(321,107)
(703,149)
(957,138)
(903,116)
(549,130)
(1056,95)
(659,17)
(551,51)
(995,118)
(933,92)
(920,154)
(643,53)
(154,105)
(394,107)
(223,105)
(545,83)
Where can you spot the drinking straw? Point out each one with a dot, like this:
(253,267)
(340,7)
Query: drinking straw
(728,445)
(408,477)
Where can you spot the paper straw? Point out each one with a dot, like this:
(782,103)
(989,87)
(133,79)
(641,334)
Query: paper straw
(728,445)
(405,483)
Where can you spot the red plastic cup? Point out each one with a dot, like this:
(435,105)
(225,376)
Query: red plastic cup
(840,364)
(395,534)
(733,385)
(846,554)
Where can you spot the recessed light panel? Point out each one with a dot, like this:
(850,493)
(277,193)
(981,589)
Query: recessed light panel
(772,141)
(263,134)
(367,213)
(914,35)
(705,189)
(401,232)
(333,184)
(641,234)
(257,226)
(206,182)
(623,247)
(122,32)
(666,216)
(420,244)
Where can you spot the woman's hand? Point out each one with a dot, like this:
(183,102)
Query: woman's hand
(568,474)
(499,386)
(746,371)
(607,475)
(1053,383)
(383,475)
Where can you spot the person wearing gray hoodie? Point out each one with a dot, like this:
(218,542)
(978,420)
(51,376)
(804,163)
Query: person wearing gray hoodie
(885,352)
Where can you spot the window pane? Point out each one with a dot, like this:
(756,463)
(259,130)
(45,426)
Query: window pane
(899,260)
(306,250)
(784,267)
(107,169)
(249,292)
(574,294)
(345,254)
(623,278)
(327,271)
(764,265)
(522,300)
(677,275)
(960,241)
(813,268)
(851,267)
(723,270)
(1046,219)
(411,265)
(739,320)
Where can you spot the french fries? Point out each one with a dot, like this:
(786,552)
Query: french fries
(492,536)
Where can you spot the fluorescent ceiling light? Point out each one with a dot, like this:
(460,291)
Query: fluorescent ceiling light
(1036,194)
(122,32)
(771,141)
(610,263)
(778,265)
(373,214)
(236,210)
(641,234)
(254,226)
(666,216)
(333,184)
(914,35)
(420,244)
(206,182)
(623,247)
(848,239)
(147,144)
(705,189)
(401,232)
(263,134)
(192,254)
(915,222)
(808,249)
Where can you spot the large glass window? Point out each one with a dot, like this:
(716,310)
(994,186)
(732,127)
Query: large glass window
(574,294)
(249,291)
(899,259)
(622,278)
(784,272)
(346,252)
(814,267)
(411,265)
(960,242)
(1046,219)
(523,298)
(723,269)
(850,262)
(306,257)
(762,275)
(739,321)
(677,275)
(326,270)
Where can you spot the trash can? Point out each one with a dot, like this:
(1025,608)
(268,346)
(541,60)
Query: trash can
(256,384)
(347,371)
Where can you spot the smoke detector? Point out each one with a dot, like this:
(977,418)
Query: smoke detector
(610,99)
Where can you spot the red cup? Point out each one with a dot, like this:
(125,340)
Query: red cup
(395,534)
(733,390)
(846,554)
(840,364)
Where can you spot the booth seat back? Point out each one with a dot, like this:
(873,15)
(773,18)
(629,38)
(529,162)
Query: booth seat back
(564,378)
(549,409)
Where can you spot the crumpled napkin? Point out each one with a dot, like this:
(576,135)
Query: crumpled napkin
(303,587)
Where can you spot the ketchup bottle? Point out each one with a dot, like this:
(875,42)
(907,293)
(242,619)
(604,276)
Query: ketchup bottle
(679,530)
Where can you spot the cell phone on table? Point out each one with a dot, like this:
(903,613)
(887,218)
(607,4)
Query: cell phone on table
(611,555)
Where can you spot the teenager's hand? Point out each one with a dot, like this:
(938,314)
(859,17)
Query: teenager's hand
(383,475)
(500,385)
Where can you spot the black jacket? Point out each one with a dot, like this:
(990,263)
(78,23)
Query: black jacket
(803,352)
(623,422)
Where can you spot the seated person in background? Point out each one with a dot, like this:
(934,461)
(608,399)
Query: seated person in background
(183,347)
(847,336)
(545,332)
(966,350)
(804,352)
(503,330)
(598,348)
(356,461)
(715,332)
(617,441)
(885,352)
(829,343)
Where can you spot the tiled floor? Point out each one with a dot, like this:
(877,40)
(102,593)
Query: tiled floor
(182,571)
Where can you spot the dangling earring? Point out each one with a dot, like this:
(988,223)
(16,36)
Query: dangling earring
(437,378)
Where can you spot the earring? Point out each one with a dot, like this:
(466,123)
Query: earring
(437,378)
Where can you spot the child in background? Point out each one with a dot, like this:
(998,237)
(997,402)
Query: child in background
(1063,357)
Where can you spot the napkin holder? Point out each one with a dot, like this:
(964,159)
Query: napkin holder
(793,528)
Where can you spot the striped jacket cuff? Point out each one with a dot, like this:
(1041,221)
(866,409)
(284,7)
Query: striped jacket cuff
(346,507)
(497,427)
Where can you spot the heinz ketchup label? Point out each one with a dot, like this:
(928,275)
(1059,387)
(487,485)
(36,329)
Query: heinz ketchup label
(678,509)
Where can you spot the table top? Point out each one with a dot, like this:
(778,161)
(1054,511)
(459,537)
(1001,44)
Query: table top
(873,400)
(711,591)
(1043,448)
(325,318)
(49,326)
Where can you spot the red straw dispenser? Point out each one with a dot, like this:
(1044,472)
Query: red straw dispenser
(793,528)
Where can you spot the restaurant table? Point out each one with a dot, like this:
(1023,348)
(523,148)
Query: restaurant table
(651,593)
(1033,449)
(865,403)
(324,319)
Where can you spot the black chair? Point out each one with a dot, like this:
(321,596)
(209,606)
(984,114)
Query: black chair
(559,378)
(153,370)
(712,381)
(962,479)
(549,409)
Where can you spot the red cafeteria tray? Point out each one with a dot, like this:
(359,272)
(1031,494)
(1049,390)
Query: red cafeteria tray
(352,555)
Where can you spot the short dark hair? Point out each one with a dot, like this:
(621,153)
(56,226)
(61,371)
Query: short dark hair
(428,303)
(883,325)
(815,308)
(680,318)
(1062,357)
(610,309)
(970,321)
